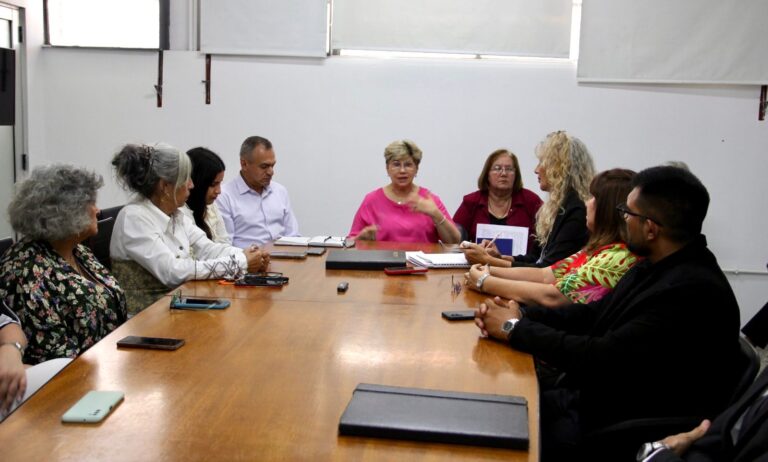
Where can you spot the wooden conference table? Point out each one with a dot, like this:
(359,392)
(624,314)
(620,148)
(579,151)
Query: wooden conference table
(269,377)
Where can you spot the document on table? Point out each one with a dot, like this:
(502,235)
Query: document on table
(512,240)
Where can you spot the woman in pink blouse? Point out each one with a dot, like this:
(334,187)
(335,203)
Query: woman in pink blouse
(403,211)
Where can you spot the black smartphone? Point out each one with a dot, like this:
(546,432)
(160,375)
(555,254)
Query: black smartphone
(459,315)
(292,255)
(315,250)
(153,343)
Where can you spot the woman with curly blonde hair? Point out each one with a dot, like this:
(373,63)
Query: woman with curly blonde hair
(565,171)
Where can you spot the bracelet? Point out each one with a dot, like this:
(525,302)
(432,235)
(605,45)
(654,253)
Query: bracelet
(441,221)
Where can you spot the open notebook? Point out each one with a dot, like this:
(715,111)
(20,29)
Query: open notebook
(437,260)
(316,241)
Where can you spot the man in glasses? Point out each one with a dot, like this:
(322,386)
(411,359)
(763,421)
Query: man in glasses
(663,344)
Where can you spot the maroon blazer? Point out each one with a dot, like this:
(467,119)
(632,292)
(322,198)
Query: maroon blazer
(522,212)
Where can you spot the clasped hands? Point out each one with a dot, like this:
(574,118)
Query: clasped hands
(257,259)
(492,313)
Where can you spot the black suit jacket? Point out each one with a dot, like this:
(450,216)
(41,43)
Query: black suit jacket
(717,444)
(569,234)
(664,343)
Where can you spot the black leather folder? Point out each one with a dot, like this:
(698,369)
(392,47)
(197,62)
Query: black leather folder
(364,259)
(436,416)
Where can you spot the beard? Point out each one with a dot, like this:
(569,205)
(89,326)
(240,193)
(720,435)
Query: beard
(641,249)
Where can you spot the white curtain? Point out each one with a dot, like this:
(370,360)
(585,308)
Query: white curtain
(264,27)
(674,41)
(502,27)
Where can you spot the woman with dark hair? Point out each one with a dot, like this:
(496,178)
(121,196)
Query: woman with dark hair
(500,198)
(65,299)
(207,175)
(586,276)
(154,246)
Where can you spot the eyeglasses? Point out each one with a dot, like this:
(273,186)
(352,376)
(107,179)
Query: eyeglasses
(499,169)
(624,210)
(397,165)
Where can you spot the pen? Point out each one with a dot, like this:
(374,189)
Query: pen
(105,220)
(493,240)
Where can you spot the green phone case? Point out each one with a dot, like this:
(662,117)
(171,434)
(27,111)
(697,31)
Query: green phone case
(94,407)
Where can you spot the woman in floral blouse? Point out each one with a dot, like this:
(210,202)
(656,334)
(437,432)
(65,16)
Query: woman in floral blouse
(586,276)
(65,299)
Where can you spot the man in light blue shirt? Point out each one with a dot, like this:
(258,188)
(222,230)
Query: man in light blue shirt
(255,209)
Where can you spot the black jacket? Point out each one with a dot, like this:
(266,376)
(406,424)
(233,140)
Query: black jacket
(663,343)
(569,234)
(717,445)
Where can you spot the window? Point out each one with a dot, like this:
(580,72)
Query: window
(476,27)
(107,23)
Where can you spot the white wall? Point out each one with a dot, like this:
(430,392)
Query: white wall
(331,119)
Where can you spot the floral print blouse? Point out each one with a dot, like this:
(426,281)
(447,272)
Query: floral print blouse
(62,313)
(587,277)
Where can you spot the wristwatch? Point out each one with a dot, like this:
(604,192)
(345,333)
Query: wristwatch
(16,345)
(650,449)
(481,280)
(508,326)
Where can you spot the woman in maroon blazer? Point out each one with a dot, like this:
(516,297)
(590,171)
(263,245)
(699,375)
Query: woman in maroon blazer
(501,199)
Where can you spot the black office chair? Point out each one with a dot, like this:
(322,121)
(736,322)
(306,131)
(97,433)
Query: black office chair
(4,244)
(756,330)
(621,441)
(462,232)
(99,243)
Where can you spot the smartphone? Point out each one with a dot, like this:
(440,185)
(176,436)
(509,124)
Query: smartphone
(315,250)
(459,315)
(283,254)
(263,279)
(188,303)
(392,270)
(153,343)
(94,407)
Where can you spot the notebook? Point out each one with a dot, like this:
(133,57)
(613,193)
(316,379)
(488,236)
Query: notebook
(316,241)
(364,259)
(438,260)
(437,416)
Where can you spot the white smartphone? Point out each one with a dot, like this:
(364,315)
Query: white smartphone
(94,407)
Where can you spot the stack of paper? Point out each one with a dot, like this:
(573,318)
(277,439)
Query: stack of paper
(316,241)
(437,260)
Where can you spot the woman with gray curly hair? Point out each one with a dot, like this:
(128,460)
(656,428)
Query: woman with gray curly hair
(155,246)
(65,299)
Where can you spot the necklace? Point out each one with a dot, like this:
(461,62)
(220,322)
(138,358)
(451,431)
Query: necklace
(504,208)
(398,199)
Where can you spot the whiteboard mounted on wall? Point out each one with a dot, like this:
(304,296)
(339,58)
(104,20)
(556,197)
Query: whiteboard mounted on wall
(264,27)
(681,41)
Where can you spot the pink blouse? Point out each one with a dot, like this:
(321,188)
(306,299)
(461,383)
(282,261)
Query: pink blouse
(396,222)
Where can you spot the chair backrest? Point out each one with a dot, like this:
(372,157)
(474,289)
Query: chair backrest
(4,244)
(751,367)
(756,329)
(99,243)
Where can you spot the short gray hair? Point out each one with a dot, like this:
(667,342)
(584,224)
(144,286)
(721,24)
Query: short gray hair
(250,144)
(52,204)
(401,149)
(140,167)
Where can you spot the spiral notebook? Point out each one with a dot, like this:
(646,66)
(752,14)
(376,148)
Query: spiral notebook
(437,260)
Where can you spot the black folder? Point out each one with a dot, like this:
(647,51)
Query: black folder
(436,416)
(364,259)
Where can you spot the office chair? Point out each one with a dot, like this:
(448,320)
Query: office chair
(756,330)
(621,441)
(4,244)
(99,244)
